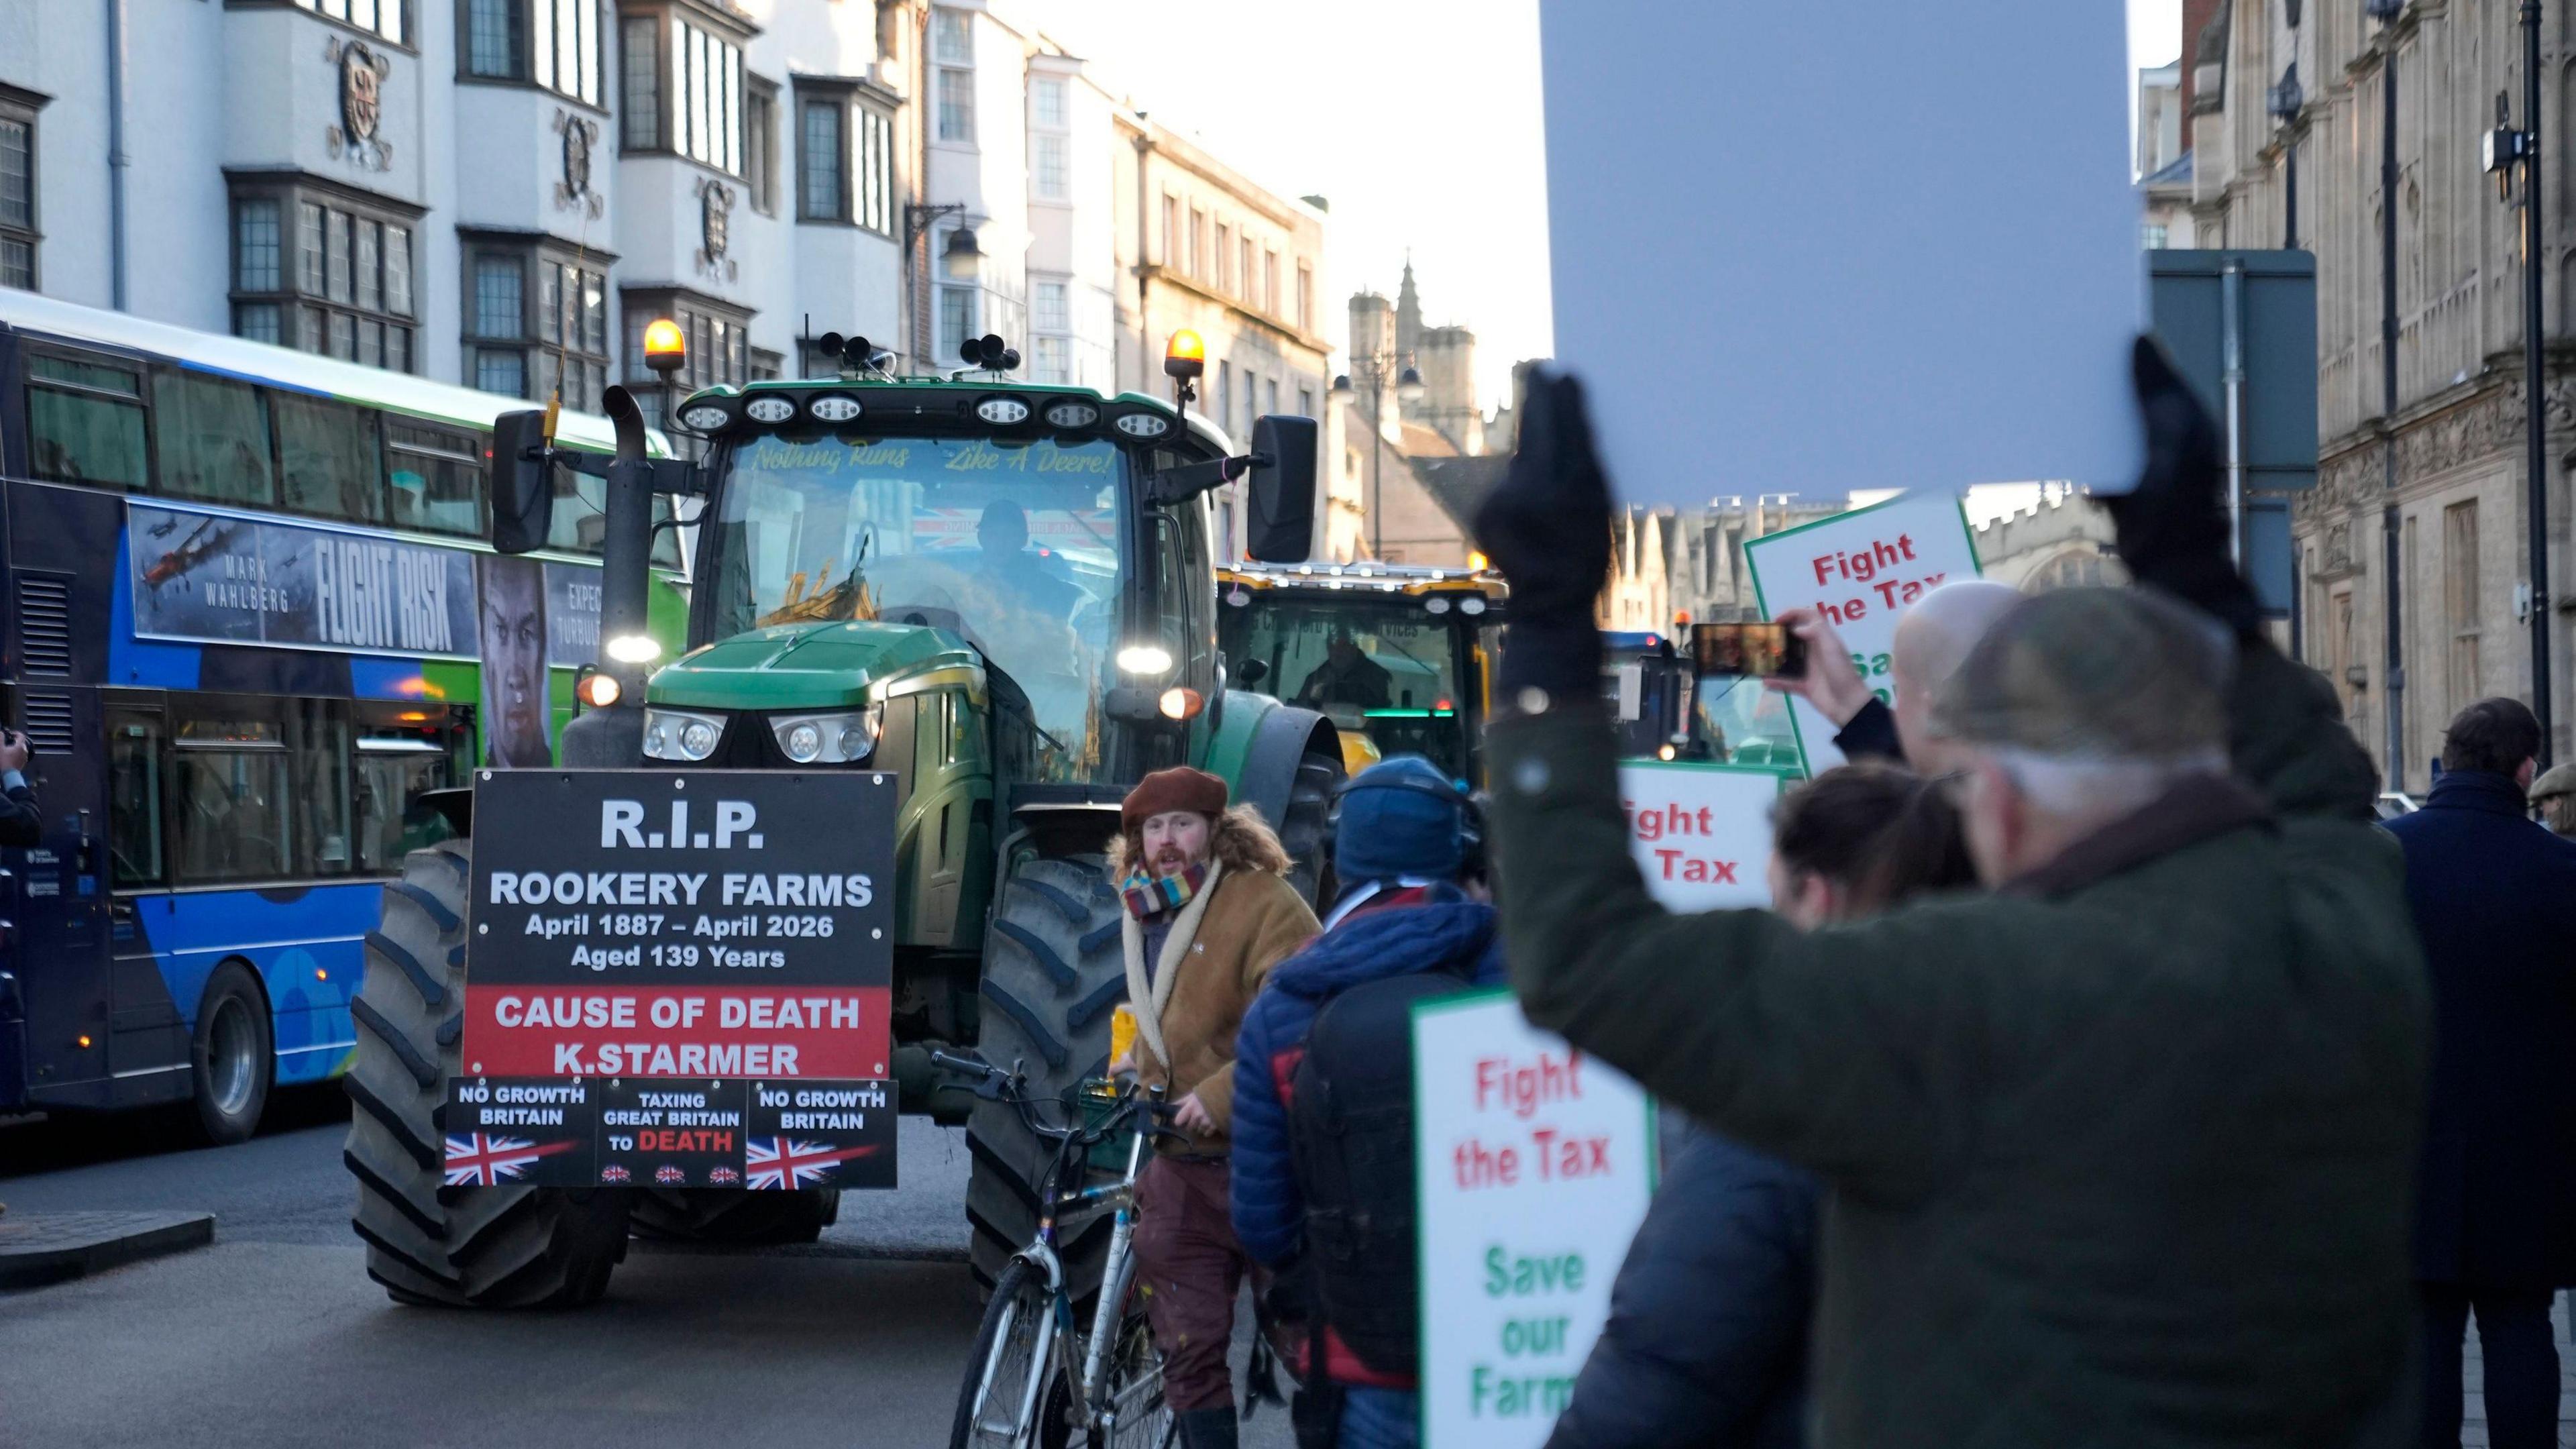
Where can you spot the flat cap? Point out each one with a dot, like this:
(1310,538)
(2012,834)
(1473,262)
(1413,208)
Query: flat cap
(2556,780)
(2117,674)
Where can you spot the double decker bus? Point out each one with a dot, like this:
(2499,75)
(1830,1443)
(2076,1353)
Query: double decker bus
(247,622)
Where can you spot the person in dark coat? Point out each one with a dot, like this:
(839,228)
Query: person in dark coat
(20,825)
(2495,1227)
(1706,1343)
(1411,903)
(2123,1149)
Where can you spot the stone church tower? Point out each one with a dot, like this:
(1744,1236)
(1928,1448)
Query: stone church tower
(1446,357)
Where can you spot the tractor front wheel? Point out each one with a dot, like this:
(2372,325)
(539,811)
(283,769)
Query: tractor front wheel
(1053,971)
(428,1243)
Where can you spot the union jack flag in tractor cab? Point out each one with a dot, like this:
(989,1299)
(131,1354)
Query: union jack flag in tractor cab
(670,1176)
(783,1163)
(480,1160)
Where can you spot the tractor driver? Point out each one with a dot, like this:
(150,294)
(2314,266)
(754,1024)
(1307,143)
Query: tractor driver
(1347,676)
(1015,575)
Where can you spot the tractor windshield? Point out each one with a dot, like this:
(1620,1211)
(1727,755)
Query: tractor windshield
(1013,545)
(1385,670)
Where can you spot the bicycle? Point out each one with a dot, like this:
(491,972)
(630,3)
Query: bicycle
(1032,1371)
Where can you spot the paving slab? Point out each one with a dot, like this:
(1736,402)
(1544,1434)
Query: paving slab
(39,1248)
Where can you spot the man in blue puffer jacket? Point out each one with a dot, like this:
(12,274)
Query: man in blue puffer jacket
(1407,848)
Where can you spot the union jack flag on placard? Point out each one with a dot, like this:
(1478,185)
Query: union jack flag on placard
(480,1160)
(780,1163)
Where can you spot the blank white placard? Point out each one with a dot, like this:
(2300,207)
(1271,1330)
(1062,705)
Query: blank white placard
(1845,244)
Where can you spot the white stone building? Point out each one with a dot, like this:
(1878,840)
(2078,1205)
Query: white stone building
(2445,546)
(493,192)
(2061,540)
(1200,245)
(504,192)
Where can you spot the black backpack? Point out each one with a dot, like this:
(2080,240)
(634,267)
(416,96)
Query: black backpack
(1350,1129)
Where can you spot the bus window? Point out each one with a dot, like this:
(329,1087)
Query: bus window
(327,459)
(579,523)
(85,422)
(235,822)
(134,799)
(404,751)
(436,477)
(212,438)
(318,741)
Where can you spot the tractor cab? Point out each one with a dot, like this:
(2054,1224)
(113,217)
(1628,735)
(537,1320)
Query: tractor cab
(1399,657)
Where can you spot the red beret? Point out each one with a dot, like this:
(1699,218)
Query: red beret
(1178,788)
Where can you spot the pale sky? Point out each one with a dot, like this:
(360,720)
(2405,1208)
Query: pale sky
(1420,120)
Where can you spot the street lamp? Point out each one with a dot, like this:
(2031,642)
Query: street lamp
(961,257)
(2285,101)
(2507,150)
(2392,696)
(1375,368)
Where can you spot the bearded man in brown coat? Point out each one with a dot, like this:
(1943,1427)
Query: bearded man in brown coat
(1208,912)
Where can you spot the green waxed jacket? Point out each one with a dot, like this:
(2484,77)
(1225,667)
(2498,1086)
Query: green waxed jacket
(2121,1154)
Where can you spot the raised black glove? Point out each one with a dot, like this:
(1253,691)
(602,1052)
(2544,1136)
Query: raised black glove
(1548,529)
(2171,531)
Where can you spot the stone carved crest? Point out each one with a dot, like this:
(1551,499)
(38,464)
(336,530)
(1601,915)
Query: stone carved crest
(363,72)
(575,192)
(715,219)
(2354,483)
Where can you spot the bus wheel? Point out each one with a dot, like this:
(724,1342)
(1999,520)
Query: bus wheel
(233,1058)
(731,1215)
(428,1243)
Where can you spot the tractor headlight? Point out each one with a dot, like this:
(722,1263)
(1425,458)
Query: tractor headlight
(771,409)
(674,734)
(841,738)
(1145,659)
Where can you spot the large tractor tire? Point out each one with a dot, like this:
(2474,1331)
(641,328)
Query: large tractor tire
(1305,827)
(730,1215)
(1052,972)
(427,1243)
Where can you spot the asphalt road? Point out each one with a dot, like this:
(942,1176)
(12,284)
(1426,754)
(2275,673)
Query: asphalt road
(275,1337)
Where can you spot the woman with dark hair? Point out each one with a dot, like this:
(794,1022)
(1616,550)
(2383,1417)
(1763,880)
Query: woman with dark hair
(1707,1338)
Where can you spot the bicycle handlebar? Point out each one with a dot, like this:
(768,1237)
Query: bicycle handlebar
(996,1085)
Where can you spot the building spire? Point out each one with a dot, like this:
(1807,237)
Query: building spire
(1408,315)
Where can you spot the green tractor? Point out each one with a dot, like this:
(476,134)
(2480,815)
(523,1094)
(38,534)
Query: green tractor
(1002,593)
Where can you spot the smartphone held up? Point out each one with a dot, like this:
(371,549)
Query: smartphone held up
(1751,651)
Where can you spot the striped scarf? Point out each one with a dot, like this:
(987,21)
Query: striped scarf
(1147,894)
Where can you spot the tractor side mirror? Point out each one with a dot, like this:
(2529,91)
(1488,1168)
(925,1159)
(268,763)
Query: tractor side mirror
(1281,525)
(523,494)
(1252,671)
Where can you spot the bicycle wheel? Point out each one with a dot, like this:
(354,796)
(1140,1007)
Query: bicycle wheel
(1013,1397)
(1138,1416)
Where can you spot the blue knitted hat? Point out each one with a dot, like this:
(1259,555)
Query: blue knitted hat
(1395,821)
